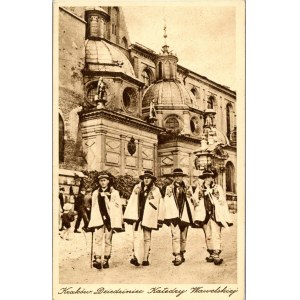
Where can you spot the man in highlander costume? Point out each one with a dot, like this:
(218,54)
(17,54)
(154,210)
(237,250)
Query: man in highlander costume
(211,213)
(179,212)
(144,211)
(106,216)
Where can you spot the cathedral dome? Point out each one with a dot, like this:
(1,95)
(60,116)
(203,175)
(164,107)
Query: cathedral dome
(96,8)
(220,137)
(169,93)
(102,56)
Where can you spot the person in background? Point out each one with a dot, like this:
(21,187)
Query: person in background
(106,215)
(68,216)
(179,211)
(144,211)
(211,214)
(81,210)
(61,203)
(87,204)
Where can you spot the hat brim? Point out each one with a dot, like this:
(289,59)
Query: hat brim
(174,174)
(147,175)
(179,174)
(206,175)
(104,176)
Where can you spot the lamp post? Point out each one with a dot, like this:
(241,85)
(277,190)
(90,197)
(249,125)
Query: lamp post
(210,154)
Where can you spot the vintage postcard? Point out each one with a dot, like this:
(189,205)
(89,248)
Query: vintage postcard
(148,149)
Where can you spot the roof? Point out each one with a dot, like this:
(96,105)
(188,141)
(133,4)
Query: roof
(71,173)
(171,92)
(103,56)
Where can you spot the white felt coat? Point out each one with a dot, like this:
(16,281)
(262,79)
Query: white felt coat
(113,206)
(218,199)
(153,209)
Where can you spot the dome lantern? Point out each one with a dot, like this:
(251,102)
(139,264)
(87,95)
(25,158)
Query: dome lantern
(97,19)
(166,62)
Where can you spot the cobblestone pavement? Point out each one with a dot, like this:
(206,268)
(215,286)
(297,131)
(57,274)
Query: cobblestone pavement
(75,267)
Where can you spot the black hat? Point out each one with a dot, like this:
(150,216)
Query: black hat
(147,174)
(178,172)
(103,175)
(209,173)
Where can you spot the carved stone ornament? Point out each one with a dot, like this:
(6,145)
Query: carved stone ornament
(131,146)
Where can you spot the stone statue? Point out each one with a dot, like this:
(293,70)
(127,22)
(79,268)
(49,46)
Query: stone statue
(152,111)
(101,88)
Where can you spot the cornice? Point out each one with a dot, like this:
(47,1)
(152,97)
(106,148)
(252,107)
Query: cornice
(119,118)
(184,108)
(210,83)
(164,138)
(143,52)
(122,75)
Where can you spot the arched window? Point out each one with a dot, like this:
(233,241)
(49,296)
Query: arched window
(230,178)
(61,141)
(146,77)
(124,42)
(210,102)
(114,20)
(229,120)
(160,70)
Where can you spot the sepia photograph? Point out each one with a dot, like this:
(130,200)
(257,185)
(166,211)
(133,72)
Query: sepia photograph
(148,149)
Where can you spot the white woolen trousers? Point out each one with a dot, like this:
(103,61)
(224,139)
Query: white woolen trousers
(102,235)
(179,238)
(147,240)
(212,233)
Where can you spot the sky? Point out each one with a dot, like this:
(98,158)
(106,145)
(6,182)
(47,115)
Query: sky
(202,37)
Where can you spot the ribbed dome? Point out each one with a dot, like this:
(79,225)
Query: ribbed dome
(220,137)
(169,93)
(97,8)
(103,56)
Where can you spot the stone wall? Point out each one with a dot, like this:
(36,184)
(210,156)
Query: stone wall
(71,91)
(105,145)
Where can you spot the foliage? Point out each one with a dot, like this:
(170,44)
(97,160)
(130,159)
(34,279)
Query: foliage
(123,183)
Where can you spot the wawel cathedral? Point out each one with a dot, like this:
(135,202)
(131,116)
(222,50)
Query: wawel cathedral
(126,108)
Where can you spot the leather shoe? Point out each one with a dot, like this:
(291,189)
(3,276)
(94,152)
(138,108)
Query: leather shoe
(97,265)
(145,263)
(218,261)
(209,259)
(105,265)
(178,262)
(76,231)
(134,261)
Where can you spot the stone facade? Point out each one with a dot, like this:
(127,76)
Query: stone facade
(121,136)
